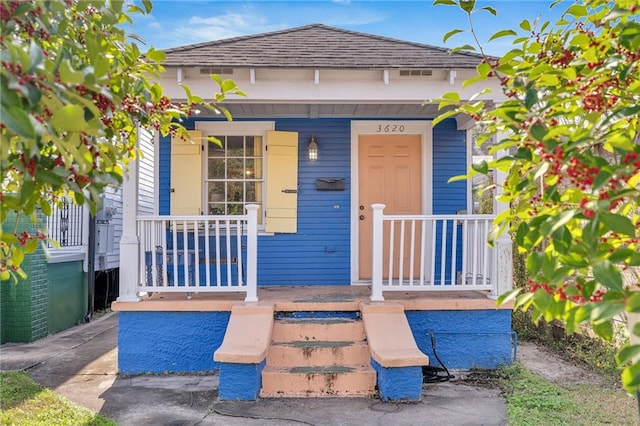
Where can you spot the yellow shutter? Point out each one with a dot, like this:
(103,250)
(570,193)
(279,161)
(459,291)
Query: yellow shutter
(186,174)
(282,182)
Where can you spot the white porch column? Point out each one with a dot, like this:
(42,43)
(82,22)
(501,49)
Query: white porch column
(376,253)
(252,253)
(503,247)
(129,243)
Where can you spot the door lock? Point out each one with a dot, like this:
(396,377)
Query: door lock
(361,217)
(361,207)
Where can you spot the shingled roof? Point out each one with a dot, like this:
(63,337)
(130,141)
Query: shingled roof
(317,46)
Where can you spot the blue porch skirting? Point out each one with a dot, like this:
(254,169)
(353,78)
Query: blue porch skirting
(158,342)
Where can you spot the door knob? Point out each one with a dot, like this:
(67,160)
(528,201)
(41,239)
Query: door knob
(361,207)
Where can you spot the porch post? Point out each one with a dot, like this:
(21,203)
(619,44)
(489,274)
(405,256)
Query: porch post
(252,253)
(129,243)
(503,245)
(376,253)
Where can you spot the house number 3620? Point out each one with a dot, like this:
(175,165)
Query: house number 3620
(390,128)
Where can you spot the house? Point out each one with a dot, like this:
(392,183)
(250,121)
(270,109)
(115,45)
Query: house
(319,249)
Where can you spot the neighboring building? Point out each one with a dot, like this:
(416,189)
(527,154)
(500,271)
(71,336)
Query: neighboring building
(59,291)
(334,125)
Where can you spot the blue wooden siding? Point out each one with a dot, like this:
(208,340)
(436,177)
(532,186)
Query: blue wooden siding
(449,159)
(319,253)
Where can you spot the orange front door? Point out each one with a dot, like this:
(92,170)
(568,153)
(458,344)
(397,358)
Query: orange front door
(389,173)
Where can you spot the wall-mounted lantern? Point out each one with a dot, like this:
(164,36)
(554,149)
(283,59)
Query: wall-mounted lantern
(313,149)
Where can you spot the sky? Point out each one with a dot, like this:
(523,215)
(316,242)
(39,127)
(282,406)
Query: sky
(177,23)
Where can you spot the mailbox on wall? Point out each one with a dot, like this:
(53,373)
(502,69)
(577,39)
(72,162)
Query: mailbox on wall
(330,184)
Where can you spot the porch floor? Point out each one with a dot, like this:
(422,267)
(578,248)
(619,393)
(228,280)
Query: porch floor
(313,298)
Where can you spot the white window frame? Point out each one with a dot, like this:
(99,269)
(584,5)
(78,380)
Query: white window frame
(239,128)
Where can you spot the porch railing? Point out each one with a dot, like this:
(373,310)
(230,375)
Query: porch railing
(431,252)
(199,253)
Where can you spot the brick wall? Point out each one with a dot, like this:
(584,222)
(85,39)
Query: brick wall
(24,304)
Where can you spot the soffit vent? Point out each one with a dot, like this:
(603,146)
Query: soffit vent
(219,71)
(416,73)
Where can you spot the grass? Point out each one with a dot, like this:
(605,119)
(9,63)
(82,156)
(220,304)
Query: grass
(24,402)
(533,401)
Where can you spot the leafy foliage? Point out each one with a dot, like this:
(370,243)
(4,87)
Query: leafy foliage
(569,127)
(75,90)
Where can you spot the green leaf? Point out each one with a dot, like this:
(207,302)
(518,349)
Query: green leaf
(35,57)
(466,47)
(46,207)
(458,178)
(68,75)
(69,118)
(508,296)
(28,188)
(562,240)
(450,34)
(525,25)
(631,377)
(577,10)
(490,9)
(155,55)
(633,302)
(618,223)
(148,5)
(608,275)
(621,254)
(538,131)
(444,2)
(483,69)
(606,310)
(481,167)
(467,5)
(18,256)
(502,33)
(17,121)
(604,330)
(452,96)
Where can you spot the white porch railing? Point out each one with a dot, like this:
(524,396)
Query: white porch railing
(431,252)
(199,253)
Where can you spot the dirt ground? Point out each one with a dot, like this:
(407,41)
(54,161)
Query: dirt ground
(552,367)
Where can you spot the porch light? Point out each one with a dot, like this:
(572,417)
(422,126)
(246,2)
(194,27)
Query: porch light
(313,149)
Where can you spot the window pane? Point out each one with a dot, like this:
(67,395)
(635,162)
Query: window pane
(216,168)
(235,191)
(254,146)
(216,150)
(235,209)
(216,209)
(251,192)
(235,168)
(216,192)
(253,169)
(235,146)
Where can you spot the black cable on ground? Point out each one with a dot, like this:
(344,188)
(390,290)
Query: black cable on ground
(433,374)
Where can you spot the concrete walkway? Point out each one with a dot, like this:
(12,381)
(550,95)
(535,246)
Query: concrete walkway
(81,364)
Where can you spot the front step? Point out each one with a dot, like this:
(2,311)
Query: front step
(314,381)
(318,353)
(317,329)
(318,357)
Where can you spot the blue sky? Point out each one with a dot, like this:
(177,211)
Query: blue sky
(178,23)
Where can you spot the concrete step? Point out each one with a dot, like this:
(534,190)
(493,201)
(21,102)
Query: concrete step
(318,353)
(317,329)
(318,381)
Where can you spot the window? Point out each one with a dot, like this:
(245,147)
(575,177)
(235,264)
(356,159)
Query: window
(234,174)
(65,225)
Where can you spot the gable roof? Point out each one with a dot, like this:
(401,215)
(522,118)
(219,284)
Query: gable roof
(317,46)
